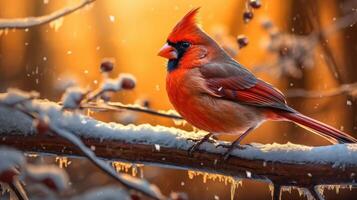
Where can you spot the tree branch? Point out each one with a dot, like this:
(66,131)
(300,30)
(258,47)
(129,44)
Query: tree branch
(117,106)
(286,165)
(22,23)
(350,89)
(44,123)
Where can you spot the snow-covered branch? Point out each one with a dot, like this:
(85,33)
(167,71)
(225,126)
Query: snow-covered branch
(283,164)
(22,23)
(44,123)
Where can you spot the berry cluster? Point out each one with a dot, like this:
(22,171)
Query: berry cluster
(250,6)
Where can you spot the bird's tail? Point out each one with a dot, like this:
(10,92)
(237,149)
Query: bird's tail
(324,130)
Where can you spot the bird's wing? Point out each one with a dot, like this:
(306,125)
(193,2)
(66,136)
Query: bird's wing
(233,82)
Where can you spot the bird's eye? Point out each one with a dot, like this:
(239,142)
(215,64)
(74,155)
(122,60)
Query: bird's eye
(185,44)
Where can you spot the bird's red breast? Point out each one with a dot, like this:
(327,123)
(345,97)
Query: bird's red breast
(183,96)
(187,91)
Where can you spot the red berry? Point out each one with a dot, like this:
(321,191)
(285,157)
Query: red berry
(50,184)
(107,65)
(8,176)
(242,41)
(255,4)
(247,16)
(128,83)
(134,197)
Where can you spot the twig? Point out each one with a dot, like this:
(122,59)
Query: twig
(310,41)
(22,23)
(350,89)
(99,163)
(277,192)
(18,189)
(117,106)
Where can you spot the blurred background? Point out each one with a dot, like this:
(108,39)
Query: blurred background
(69,51)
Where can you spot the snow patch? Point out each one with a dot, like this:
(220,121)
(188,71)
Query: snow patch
(11,159)
(52,175)
(72,97)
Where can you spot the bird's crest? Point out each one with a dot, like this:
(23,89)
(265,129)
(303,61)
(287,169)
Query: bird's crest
(186,28)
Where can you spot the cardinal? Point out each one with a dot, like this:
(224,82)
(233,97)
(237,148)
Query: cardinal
(215,93)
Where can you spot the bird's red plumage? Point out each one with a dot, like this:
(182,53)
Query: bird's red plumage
(215,93)
(185,28)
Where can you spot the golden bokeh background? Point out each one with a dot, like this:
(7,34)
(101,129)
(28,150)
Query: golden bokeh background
(70,50)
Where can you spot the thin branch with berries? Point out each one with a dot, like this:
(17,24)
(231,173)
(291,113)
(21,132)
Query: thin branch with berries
(23,23)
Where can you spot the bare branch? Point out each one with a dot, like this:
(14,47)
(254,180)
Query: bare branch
(18,189)
(22,23)
(117,106)
(350,89)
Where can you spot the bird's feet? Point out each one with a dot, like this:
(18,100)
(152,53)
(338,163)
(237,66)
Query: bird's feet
(230,149)
(198,142)
(195,140)
(193,148)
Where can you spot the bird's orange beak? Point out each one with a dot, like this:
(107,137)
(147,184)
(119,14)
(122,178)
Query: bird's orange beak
(168,52)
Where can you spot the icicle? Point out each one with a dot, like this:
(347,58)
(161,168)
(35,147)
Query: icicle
(286,188)
(320,189)
(141,169)
(89,112)
(271,189)
(128,167)
(56,24)
(62,161)
(179,122)
(134,170)
(32,155)
(337,188)
(191,174)
(121,166)
(301,191)
(235,183)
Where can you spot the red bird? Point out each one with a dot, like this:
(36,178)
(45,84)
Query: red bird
(215,93)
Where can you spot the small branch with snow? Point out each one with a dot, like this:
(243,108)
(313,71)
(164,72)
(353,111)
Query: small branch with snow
(282,164)
(22,23)
(45,123)
(98,99)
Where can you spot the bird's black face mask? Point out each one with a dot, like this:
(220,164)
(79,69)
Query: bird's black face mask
(181,48)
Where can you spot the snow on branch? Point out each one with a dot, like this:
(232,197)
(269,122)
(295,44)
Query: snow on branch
(22,23)
(48,122)
(283,164)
